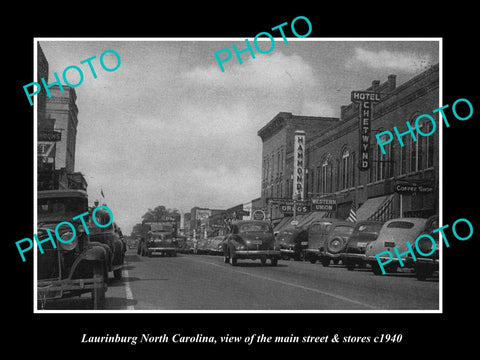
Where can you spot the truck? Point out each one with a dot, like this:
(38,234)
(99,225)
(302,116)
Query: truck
(159,237)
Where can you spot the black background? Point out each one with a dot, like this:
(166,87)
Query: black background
(61,333)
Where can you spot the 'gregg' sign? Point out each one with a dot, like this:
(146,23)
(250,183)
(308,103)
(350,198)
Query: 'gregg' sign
(366,99)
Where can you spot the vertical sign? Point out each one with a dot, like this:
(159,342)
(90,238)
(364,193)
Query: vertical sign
(365,99)
(299,165)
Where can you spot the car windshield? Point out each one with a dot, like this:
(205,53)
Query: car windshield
(61,206)
(342,230)
(253,227)
(369,228)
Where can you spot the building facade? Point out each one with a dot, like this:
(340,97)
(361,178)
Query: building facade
(277,138)
(56,135)
(332,156)
(62,107)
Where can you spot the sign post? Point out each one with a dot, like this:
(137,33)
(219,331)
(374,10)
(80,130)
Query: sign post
(365,99)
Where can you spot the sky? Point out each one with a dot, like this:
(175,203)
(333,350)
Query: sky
(168,127)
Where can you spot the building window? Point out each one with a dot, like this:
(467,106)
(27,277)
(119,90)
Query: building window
(382,160)
(326,176)
(403,159)
(429,144)
(346,169)
(415,151)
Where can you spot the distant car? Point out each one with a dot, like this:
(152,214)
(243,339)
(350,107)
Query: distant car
(201,247)
(395,233)
(327,239)
(364,232)
(159,242)
(215,245)
(292,243)
(250,239)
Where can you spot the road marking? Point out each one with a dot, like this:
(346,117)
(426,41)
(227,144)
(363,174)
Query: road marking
(339,297)
(128,290)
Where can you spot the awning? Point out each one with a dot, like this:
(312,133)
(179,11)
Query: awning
(282,223)
(372,205)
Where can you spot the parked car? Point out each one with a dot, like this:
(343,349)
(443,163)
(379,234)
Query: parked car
(425,266)
(110,236)
(363,233)
(159,242)
(292,243)
(73,268)
(201,246)
(214,245)
(395,233)
(250,239)
(327,239)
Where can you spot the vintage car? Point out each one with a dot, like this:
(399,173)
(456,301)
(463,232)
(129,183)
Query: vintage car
(111,236)
(425,266)
(159,242)
(327,239)
(292,243)
(396,233)
(69,268)
(250,239)
(201,246)
(363,233)
(214,246)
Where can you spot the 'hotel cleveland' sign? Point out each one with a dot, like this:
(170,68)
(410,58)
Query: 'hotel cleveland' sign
(366,99)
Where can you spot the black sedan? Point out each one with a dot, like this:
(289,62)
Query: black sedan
(364,232)
(250,239)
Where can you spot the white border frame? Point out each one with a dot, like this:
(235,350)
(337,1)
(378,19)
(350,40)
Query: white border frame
(440,174)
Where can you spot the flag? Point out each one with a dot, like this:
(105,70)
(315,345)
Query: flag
(353,213)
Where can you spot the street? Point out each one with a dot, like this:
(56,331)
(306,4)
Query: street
(205,282)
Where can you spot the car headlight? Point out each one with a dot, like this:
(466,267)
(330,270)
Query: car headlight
(67,242)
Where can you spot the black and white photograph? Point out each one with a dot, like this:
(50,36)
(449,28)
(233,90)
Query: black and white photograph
(260,187)
(280,182)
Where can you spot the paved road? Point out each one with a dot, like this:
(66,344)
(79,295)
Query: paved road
(205,282)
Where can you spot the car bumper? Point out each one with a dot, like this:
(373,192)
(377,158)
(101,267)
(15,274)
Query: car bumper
(161,249)
(354,257)
(256,254)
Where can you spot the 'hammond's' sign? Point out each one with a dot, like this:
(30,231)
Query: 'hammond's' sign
(299,165)
(366,99)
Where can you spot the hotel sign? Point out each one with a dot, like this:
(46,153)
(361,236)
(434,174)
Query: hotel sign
(299,165)
(365,99)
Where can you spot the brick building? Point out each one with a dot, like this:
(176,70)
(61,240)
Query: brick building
(332,154)
(277,138)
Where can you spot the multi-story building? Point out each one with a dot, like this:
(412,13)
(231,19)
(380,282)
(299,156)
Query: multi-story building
(57,133)
(332,155)
(62,107)
(277,138)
